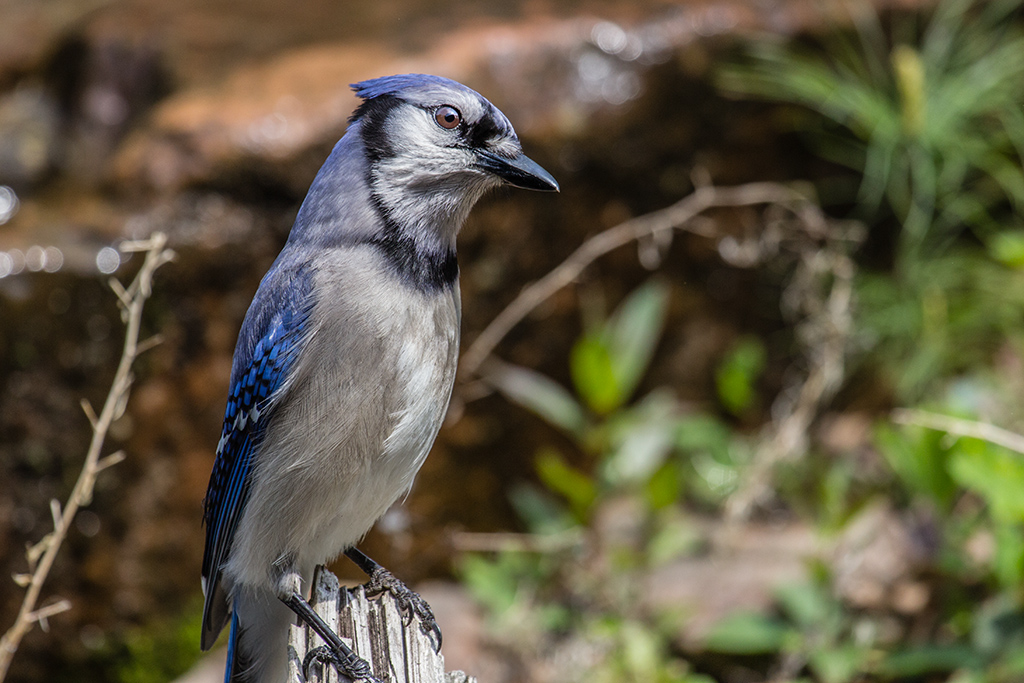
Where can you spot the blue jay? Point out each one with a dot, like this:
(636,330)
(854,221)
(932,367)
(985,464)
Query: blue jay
(345,362)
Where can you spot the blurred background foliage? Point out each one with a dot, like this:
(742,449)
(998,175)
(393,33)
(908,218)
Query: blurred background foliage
(927,110)
(689,476)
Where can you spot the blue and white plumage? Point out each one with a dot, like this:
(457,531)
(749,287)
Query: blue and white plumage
(346,359)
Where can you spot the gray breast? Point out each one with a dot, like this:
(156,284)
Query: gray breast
(381,369)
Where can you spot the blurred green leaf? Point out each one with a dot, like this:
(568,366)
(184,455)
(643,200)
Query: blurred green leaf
(590,363)
(555,617)
(665,486)
(714,454)
(839,663)
(999,626)
(719,477)
(639,455)
(805,603)
(748,633)
(541,395)
(919,460)
(929,659)
(633,332)
(541,512)
(835,489)
(641,440)
(946,317)
(573,485)
(641,650)
(994,473)
(1008,248)
(737,376)
(675,536)
(490,582)
(702,432)
(965,676)
(162,651)
(1009,560)
(696,678)
(1011,665)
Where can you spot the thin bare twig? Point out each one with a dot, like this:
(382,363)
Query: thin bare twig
(470,541)
(678,216)
(42,555)
(960,427)
(819,297)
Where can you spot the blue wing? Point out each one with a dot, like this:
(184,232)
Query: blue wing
(268,345)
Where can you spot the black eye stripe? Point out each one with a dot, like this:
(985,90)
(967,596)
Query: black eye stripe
(489,127)
(484,130)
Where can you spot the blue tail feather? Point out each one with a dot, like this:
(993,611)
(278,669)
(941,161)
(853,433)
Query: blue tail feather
(235,669)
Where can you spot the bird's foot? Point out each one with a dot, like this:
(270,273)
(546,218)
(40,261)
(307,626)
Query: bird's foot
(409,601)
(347,664)
(336,651)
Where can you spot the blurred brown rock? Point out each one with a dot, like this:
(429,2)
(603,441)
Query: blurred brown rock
(271,111)
(30,29)
(465,635)
(744,566)
(876,558)
(845,432)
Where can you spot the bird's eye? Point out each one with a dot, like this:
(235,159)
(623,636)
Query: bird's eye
(447,117)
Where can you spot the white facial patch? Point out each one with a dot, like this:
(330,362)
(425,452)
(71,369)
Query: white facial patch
(431,181)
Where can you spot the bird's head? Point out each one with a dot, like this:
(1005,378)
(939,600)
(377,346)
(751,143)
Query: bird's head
(435,146)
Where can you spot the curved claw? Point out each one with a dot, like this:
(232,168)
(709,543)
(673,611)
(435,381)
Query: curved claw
(409,602)
(357,670)
(413,606)
(432,629)
(321,654)
(417,608)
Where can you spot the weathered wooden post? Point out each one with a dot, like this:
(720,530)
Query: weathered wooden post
(375,629)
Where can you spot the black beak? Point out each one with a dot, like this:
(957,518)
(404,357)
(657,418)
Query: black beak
(519,171)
